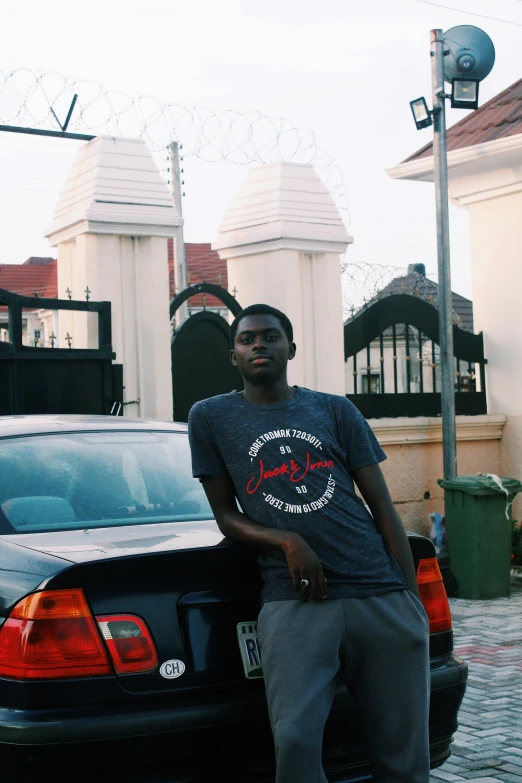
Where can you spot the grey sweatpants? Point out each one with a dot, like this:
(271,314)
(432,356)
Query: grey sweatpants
(380,645)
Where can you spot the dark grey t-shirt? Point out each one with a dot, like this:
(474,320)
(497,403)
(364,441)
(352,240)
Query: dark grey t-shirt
(290,465)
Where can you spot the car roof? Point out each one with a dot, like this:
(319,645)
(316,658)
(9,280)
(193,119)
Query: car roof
(54,423)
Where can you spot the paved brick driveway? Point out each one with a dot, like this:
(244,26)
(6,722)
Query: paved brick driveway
(488,744)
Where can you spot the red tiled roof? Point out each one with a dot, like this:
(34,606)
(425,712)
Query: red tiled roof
(498,118)
(30,279)
(38,260)
(203,265)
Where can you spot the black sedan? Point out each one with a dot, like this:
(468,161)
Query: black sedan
(125,615)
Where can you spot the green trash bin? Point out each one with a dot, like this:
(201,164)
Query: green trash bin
(478,532)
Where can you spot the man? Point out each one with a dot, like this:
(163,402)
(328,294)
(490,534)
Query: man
(340,593)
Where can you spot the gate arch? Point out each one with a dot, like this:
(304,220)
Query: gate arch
(205,288)
(200,351)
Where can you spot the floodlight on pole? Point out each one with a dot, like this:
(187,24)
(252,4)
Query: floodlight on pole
(462,56)
(421,113)
(464,93)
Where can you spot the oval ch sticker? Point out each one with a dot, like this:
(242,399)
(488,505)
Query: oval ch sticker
(171,669)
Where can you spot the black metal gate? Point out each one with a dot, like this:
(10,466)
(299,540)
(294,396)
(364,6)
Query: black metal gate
(201,365)
(394,360)
(46,380)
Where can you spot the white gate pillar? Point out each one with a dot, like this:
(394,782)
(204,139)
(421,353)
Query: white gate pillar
(282,237)
(111,226)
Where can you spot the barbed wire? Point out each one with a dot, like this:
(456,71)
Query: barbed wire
(363,282)
(240,138)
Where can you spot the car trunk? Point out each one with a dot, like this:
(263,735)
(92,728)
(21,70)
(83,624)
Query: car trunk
(191,588)
(191,602)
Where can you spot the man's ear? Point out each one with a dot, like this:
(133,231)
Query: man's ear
(233,358)
(292,351)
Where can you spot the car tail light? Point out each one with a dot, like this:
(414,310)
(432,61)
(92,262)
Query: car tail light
(433,595)
(129,643)
(52,634)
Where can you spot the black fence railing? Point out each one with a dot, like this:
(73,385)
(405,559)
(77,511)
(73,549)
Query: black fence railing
(41,379)
(393,361)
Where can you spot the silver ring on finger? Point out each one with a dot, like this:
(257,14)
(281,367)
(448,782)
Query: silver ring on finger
(305,582)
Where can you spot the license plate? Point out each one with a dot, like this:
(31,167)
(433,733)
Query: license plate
(250,649)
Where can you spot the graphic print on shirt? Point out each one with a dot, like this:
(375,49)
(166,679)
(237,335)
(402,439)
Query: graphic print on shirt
(296,463)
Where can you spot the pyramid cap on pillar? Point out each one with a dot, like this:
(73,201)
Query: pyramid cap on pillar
(114,187)
(279,206)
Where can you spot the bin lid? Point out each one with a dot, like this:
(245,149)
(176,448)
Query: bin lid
(483,485)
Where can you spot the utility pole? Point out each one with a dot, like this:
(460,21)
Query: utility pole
(180,263)
(443,256)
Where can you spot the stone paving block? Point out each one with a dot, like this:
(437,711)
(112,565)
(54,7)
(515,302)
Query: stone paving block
(514,768)
(499,714)
(491,741)
(483,780)
(464,746)
(485,763)
(454,768)
(484,757)
(439,774)
(489,732)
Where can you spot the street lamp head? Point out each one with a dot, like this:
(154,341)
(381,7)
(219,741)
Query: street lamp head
(469,56)
(421,113)
(468,53)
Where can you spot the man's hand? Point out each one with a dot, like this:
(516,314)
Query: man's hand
(304,564)
(302,560)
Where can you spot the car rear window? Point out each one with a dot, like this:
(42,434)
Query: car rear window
(97,479)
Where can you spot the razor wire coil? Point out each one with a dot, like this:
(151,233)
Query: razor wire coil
(240,138)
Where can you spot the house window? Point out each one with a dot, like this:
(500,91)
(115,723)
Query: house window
(374,385)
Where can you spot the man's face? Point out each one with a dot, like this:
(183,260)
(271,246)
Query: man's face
(261,349)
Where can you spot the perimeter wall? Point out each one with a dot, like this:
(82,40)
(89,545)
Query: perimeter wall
(414,451)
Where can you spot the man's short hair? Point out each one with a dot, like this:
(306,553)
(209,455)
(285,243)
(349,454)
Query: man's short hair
(262,309)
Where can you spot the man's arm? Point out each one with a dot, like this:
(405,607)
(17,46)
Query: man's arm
(375,492)
(302,560)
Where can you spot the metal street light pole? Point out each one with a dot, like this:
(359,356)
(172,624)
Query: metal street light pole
(443,256)
(180,262)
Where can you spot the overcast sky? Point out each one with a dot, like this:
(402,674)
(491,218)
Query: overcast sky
(345,69)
